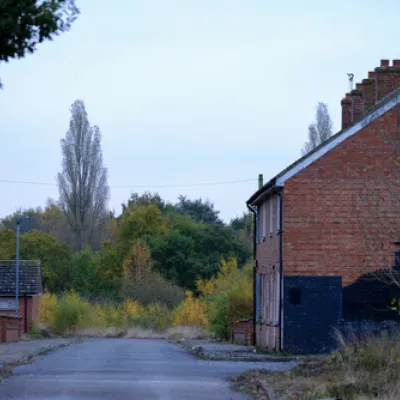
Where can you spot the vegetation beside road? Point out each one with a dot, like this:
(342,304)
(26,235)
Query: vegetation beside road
(365,367)
(222,298)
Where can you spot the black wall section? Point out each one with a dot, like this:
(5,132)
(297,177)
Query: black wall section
(312,308)
(370,298)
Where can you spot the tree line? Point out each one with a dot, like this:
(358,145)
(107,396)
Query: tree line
(84,246)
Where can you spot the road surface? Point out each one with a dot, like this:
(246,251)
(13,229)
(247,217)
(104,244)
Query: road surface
(119,369)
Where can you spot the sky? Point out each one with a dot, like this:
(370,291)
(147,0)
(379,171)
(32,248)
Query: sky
(186,93)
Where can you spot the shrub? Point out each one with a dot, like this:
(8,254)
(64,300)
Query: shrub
(155,289)
(160,314)
(190,312)
(47,303)
(228,296)
(70,313)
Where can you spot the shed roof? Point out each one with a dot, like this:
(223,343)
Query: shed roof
(30,278)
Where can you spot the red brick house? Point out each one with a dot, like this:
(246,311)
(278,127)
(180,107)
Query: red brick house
(30,288)
(330,217)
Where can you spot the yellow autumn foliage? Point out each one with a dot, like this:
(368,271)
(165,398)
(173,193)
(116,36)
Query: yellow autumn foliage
(190,312)
(223,298)
(47,303)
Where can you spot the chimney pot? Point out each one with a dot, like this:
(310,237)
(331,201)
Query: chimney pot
(396,63)
(371,75)
(384,63)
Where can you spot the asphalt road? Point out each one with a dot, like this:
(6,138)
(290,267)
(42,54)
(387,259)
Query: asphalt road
(119,369)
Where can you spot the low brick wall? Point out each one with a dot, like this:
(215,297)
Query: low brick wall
(242,332)
(11,328)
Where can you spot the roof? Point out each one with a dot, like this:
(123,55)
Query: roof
(383,106)
(30,278)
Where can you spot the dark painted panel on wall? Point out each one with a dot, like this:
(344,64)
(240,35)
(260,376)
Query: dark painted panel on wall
(370,298)
(312,308)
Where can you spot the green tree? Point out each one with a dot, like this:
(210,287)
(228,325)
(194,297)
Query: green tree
(198,209)
(85,271)
(243,228)
(146,199)
(174,257)
(56,258)
(7,244)
(33,222)
(25,23)
(140,222)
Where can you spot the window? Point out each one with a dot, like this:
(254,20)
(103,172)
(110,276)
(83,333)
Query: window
(258,297)
(271,294)
(264,212)
(278,214)
(277,298)
(257,224)
(266,299)
(271,211)
(295,296)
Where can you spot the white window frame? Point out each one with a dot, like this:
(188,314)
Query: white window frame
(271,214)
(258,224)
(272,292)
(278,214)
(277,297)
(264,222)
(266,299)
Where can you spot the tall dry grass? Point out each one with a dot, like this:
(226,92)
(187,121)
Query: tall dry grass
(369,365)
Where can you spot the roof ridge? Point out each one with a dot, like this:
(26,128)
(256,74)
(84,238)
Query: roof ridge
(381,107)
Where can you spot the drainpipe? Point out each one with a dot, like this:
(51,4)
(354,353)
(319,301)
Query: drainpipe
(254,271)
(280,264)
(252,210)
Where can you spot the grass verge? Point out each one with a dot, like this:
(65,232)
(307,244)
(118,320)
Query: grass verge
(364,367)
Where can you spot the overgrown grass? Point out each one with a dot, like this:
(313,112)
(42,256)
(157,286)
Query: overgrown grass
(370,366)
(365,367)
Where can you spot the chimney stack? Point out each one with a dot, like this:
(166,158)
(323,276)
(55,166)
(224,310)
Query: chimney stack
(368,91)
(357,106)
(346,111)
(387,78)
(383,81)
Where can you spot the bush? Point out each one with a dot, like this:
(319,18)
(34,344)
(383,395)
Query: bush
(219,315)
(155,289)
(71,313)
(160,314)
(190,312)
(229,296)
(47,303)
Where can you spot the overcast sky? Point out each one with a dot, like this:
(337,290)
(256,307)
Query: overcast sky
(186,92)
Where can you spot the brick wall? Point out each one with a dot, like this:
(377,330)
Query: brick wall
(268,262)
(342,213)
(242,332)
(32,310)
(10,328)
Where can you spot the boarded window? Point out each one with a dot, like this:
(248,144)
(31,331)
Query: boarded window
(271,215)
(258,297)
(264,211)
(295,296)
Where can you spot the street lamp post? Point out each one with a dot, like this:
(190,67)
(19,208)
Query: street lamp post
(19,220)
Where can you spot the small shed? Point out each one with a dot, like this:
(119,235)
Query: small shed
(30,288)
